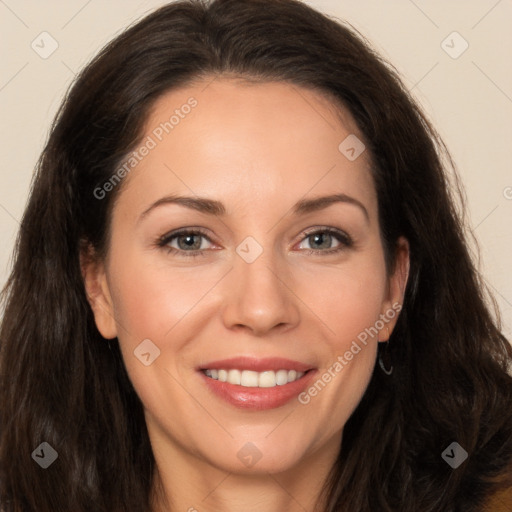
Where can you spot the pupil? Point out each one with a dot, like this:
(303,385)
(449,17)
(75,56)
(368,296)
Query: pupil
(188,241)
(322,239)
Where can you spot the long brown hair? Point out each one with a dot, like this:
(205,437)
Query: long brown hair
(63,384)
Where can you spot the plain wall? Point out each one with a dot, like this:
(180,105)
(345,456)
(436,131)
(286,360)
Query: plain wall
(468,95)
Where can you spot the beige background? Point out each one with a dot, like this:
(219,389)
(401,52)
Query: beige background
(468,98)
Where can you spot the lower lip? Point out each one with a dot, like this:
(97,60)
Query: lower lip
(258,398)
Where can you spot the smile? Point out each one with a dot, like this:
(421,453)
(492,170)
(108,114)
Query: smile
(251,379)
(256,384)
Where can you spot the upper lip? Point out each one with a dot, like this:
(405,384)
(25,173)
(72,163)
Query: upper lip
(256,364)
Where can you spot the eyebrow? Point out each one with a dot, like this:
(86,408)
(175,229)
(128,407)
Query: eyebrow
(216,208)
(201,204)
(319,203)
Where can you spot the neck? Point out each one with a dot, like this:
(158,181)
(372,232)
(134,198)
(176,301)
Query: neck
(191,484)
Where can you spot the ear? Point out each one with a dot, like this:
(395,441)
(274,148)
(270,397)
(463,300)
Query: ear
(396,289)
(98,292)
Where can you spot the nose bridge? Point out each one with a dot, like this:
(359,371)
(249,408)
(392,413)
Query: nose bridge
(258,297)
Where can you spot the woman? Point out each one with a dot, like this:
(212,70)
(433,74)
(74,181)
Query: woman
(241,283)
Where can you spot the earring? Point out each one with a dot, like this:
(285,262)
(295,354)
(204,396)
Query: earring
(385,358)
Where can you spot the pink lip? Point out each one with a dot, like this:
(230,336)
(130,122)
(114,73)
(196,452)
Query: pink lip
(258,398)
(256,365)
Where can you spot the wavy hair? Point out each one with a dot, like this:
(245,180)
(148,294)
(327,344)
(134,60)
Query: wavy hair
(62,383)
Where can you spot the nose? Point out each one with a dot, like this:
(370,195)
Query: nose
(259,297)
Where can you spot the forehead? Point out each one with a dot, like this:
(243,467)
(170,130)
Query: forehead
(229,137)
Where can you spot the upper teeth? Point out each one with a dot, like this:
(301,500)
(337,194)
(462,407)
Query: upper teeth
(251,379)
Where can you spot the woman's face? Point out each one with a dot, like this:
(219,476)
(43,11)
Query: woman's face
(268,280)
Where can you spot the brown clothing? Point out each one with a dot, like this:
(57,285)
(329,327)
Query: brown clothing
(500,502)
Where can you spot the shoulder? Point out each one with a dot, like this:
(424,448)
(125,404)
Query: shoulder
(499,502)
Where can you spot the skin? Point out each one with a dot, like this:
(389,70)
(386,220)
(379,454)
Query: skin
(257,148)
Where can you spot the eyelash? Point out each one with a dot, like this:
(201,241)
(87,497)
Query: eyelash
(343,238)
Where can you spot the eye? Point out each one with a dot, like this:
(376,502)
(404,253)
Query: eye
(186,241)
(326,241)
(194,242)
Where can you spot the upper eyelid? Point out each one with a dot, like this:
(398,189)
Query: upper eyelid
(329,229)
(184,231)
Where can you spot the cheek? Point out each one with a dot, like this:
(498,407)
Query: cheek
(150,300)
(163,305)
(347,299)
(349,306)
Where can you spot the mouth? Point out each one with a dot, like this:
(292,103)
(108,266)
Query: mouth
(251,379)
(256,384)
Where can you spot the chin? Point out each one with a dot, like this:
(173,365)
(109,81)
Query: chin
(258,457)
